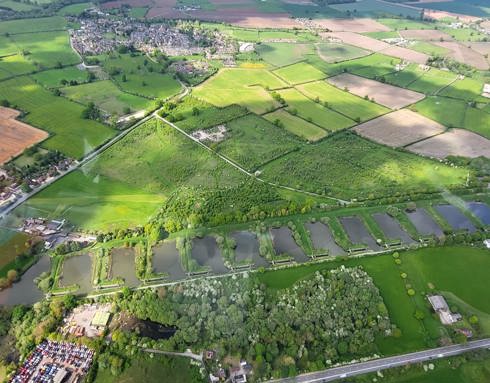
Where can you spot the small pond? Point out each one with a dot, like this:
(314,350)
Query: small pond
(481,211)
(247,248)
(284,243)
(391,228)
(25,291)
(206,253)
(357,232)
(322,238)
(123,266)
(166,259)
(456,219)
(148,328)
(77,270)
(424,223)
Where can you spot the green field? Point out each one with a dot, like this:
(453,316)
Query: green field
(140,76)
(52,78)
(446,268)
(71,134)
(280,54)
(151,369)
(467,89)
(74,9)
(12,244)
(41,24)
(138,12)
(129,181)
(433,81)
(15,65)
(93,202)
(107,96)
(478,121)
(47,49)
(466,34)
(207,116)
(356,108)
(16,6)
(348,166)
(251,141)
(447,111)
(399,24)
(299,73)
(333,52)
(314,112)
(245,87)
(297,126)
(382,35)
(428,48)
(371,66)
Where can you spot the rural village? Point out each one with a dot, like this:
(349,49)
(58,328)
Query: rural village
(244,191)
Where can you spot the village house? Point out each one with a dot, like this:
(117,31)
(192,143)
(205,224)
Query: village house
(441,307)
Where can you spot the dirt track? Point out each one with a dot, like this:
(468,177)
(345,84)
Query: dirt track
(16,136)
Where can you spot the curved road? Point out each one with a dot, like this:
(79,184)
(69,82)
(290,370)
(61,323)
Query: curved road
(386,363)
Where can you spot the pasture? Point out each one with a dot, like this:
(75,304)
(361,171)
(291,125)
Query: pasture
(93,202)
(74,9)
(399,128)
(384,94)
(242,86)
(356,108)
(467,89)
(107,96)
(371,66)
(296,125)
(428,48)
(127,183)
(314,112)
(432,81)
(399,24)
(140,76)
(207,115)
(46,49)
(251,141)
(334,52)
(299,73)
(349,166)
(53,78)
(17,6)
(71,134)
(41,24)
(280,54)
(15,65)
(445,268)
(447,111)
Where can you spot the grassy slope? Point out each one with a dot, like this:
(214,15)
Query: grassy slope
(72,135)
(297,125)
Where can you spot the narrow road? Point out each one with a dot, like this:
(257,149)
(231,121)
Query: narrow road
(241,169)
(386,363)
(187,354)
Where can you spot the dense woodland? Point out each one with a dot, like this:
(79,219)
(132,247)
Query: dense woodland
(333,316)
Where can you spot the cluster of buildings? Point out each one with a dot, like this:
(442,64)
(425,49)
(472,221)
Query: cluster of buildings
(41,226)
(441,307)
(89,320)
(55,362)
(102,33)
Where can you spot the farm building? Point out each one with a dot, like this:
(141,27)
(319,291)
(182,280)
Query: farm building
(441,307)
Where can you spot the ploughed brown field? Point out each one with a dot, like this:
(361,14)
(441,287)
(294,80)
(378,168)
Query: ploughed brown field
(462,53)
(455,142)
(16,136)
(400,128)
(390,96)
(425,34)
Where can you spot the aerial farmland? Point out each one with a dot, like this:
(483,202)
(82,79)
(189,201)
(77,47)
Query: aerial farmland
(244,190)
